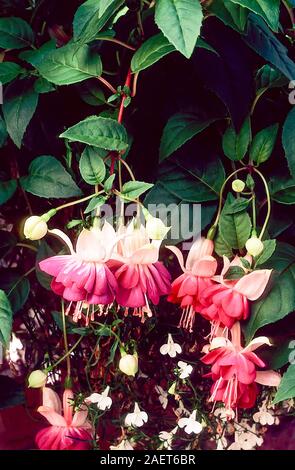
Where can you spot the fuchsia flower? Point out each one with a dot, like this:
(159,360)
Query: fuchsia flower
(83,276)
(197,273)
(67,431)
(234,370)
(141,277)
(225,301)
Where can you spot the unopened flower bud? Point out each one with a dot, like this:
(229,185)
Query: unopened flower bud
(156,229)
(238,185)
(254,246)
(172,389)
(35,228)
(129,364)
(37,379)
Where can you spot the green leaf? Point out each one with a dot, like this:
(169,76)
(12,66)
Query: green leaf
(152,50)
(231,14)
(269,248)
(68,65)
(179,129)
(3,132)
(16,287)
(48,178)
(283,190)
(269,77)
(280,301)
(234,228)
(260,38)
(108,184)
(134,189)
(192,182)
(221,247)
(263,144)
(281,356)
(236,205)
(287,386)
(15,33)
(5,319)
(289,140)
(42,85)
(9,71)
(7,190)
(95,203)
(92,167)
(19,106)
(269,10)
(89,19)
(99,132)
(44,251)
(180,21)
(7,242)
(235,145)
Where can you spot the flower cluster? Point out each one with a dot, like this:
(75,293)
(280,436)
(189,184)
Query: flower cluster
(108,266)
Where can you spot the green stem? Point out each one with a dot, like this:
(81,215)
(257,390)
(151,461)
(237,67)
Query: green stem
(221,194)
(64,329)
(26,245)
(50,368)
(20,279)
(268,202)
(254,211)
(77,201)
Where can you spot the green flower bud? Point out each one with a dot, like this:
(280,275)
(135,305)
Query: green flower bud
(238,186)
(35,228)
(254,246)
(37,379)
(129,364)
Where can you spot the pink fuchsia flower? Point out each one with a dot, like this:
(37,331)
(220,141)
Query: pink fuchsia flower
(199,268)
(67,430)
(83,276)
(227,301)
(141,277)
(234,370)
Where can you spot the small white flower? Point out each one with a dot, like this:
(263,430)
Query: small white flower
(264,417)
(221,443)
(137,418)
(170,348)
(224,414)
(163,396)
(103,401)
(248,440)
(124,445)
(190,424)
(181,410)
(167,438)
(185,369)
(234,446)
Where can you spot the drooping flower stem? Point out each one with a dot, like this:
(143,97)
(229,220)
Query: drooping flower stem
(64,328)
(268,202)
(78,201)
(50,368)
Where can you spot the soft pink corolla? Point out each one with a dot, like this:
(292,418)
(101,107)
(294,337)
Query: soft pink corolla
(226,301)
(140,276)
(198,270)
(83,275)
(67,430)
(233,370)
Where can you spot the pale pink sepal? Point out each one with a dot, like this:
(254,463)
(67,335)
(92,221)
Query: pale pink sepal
(268,377)
(253,285)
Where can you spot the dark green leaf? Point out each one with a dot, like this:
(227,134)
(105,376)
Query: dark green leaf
(269,248)
(263,144)
(235,145)
(234,273)
(15,33)
(287,386)
(289,140)
(99,132)
(3,132)
(232,15)
(7,242)
(236,205)
(269,10)
(179,129)
(44,251)
(48,178)
(283,190)
(5,319)
(234,228)
(16,287)
(108,184)
(9,71)
(95,203)
(221,247)
(20,102)
(7,190)
(42,85)
(269,77)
